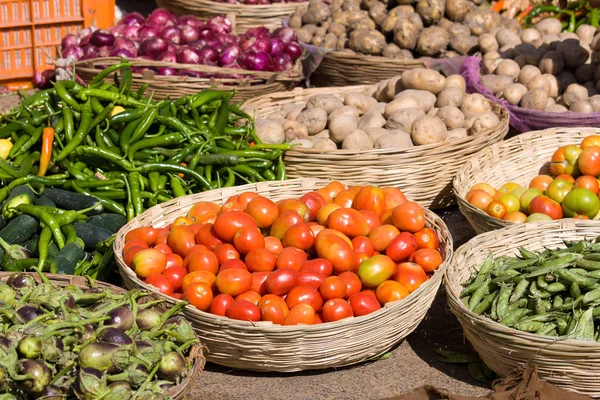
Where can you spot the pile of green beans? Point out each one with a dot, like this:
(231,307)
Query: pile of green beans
(554,292)
(131,152)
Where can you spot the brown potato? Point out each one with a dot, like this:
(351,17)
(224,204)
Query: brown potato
(496,83)
(540,82)
(327,102)
(393,140)
(367,42)
(483,123)
(534,99)
(451,116)
(405,34)
(573,52)
(464,45)
(428,130)
(431,11)
(371,119)
(423,79)
(474,104)
(269,131)
(325,144)
(514,93)
(527,73)
(508,68)
(549,26)
(315,120)
(358,140)
(487,43)
(456,81)
(457,29)
(456,9)
(450,97)
(316,13)
(584,72)
(403,119)
(432,41)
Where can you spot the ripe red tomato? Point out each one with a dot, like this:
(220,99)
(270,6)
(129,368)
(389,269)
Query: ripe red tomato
(301,314)
(363,303)
(311,279)
(208,237)
(163,248)
(229,223)
(233,264)
(226,252)
(244,311)
(197,248)
(250,296)
(273,244)
(258,282)
(319,265)
(333,287)
(314,201)
(409,217)
(175,275)
(281,281)
(393,197)
(370,198)
(362,244)
(358,259)
(299,236)
(330,191)
(234,281)
(260,260)
(291,257)
(348,221)
(196,227)
(181,239)
(231,206)
(245,198)
(271,298)
(202,208)
(335,250)
(149,261)
(353,283)
(130,254)
(220,304)
(401,247)
(295,205)
(136,243)
(263,210)
(390,291)
(204,261)
(273,312)
(161,282)
(376,270)
(540,182)
(382,236)
(325,212)
(199,295)
(545,205)
(162,238)
(589,161)
(283,223)
(173,260)
(588,182)
(345,198)
(146,234)
(247,239)
(183,221)
(336,309)
(205,277)
(328,231)
(427,239)
(304,295)
(372,219)
(410,275)
(318,318)
(428,259)
(315,228)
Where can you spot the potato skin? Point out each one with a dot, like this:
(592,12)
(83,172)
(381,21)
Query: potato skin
(431,11)
(432,41)
(315,120)
(474,104)
(456,81)
(549,26)
(456,9)
(358,140)
(552,63)
(527,73)
(423,79)
(327,102)
(325,144)
(451,116)
(367,42)
(534,99)
(484,122)
(428,130)
(487,42)
(403,119)
(371,119)
(269,131)
(405,34)
(393,140)
(508,68)
(496,83)
(450,97)
(464,44)
(316,13)
(514,93)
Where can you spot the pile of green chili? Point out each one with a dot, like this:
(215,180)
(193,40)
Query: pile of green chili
(576,14)
(129,151)
(554,292)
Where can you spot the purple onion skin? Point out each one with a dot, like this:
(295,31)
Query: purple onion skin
(104,51)
(85,40)
(255,61)
(192,74)
(286,35)
(132,18)
(220,24)
(152,47)
(102,38)
(229,55)
(161,17)
(172,48)
(90,49)
(205,33)
(276,47)
(209,54)
(43,80)
(167,56)
(127,44)
(69,40)
(293,50)
(257,32)
(131,31)
(171,33)
(147,32)
(188,55)
(75,52)
(140,70)
(189,34)
(282,62)
(121,53)
(188,20)
(166,71)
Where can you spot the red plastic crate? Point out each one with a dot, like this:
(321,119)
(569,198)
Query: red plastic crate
(31,32)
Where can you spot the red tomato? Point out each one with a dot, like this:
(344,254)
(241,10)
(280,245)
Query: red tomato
(196,227)
(283,222)
(314,201)
(540,182)
(348,221)
(231,206)
(376,270)
(260,260)
(410,275)
(382,236)
(393,197)
(311,279)
(136,243)
(390,291)
(229,223)
(358,259)
(149,261)
(246,198)
(175,275)
(273,312)
(233,264)
(163,248)
(234,281)
(428,259)
(427,239)
(345,198)
(362,244)
(353,283)
(202,208)
(248,238)
(370,198)
(409,217)
(162,238)
(130,254)
(291,257)
(232,199)
(220,304)
(335,250)
(178,296)
(401,247)
(258,282)
(301,314)
(330,191)
(173,260)
(589,161)
(336,309)
(304,295)
(273,244)
(226,252)
(386,218)
(146,234)
(196,249)
(204,261)
(244,311)
(281,281)
(373,220)
(588,182)
(496,209)
(207,236)
(315,228)
(363,303)
(199,295)
(545,205)
(299,236)
(161,282)
(319,265)
(333,287)
(263,210)
(294,205)
(250,296)
(183,221)
(328,231)
(271,298)
(325,211)
(205,277)
(181,239)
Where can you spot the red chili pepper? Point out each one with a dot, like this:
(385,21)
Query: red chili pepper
(498,6)
(525,12)
(47,140)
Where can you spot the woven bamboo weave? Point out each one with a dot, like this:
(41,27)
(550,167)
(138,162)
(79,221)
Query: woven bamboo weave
(263,346)
(568,363)
(518,160)
(423,173)
(252,83)
(176,392)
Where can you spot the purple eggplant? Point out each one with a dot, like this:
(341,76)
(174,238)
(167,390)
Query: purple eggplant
(40,376)
(173,367)
(120,318)
(113,335)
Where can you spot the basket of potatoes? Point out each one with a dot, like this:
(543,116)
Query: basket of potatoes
(363,41)
(412,132)
(544,77)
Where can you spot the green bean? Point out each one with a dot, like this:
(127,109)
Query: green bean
(478,294)
(585,326)
(485,303)
(528,255)
(552,266)
(529,326)
(513,316)
(588,264)
(471,288)
(594,274)
(569,305)
(494,308)
(503,297)
(575,291)
(546,329)
(519,290)
(542,317)
(592,296)
(517,304)
(557,301)
(581,280)
(556,287)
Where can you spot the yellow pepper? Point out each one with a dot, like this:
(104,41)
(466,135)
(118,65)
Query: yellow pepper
(116,110)
(5,146)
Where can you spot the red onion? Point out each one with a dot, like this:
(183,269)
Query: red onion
(161,17)
(43,80)
(148,31)
(205,33)
(293,50)
(104,51)
(188,34)
(152,47)
(276,47)
(90,49)
(208,56)
(255,61)
(264,2)
(229,55)
(69,40)
(263,44)
(121,53)
(102,38)
(86,32)
(286,35)
(257,32)
(140,70)
(123,43)
(167,56)
(133,18)
(251,2)
(85,40)
(145,58)
(282,62)
(187,55)
(75,52)
(166,71)
(172,48)
(188,20)
(171,33)
(131,31)
(220,24)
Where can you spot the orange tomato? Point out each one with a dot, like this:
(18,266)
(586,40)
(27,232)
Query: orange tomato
(566,177)
(345,198)
(149,261)
(294,205)
(393,197)
(183,221)
(272,312)
(199,295)
(291,257)
(515,216)
(301,314)
(589,161)
(283,223)
(370,198)
(204,261)
(260,260)
(273,244)
(146,234)
(363,244)
(325,211)
(428,259)
(325,232)
(389,291)
(427,238)
(330,191)
(588,182)
(208,237)
(333,287)
(272,298)
(540,182)
(409,217)
(299,236)
(205,277)
(592,140)
(479,198)
(231,206)
(246,197)
(263,210)
(229,223)
(348,221)
(201,208)
(234,281)
(247,239)
(373,220)
(382,236)
(181,239)
(489,189)
(496,209)
(336,309)
(225,252)
(250,296)
(335,250)
(410,275)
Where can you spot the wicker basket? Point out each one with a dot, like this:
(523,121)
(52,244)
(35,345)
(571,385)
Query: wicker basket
(423,173)
(252,84)
(518,160)
(263,346)
(246,16)
(177,392)
(569,363)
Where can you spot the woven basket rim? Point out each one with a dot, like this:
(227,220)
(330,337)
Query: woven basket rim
(273,7)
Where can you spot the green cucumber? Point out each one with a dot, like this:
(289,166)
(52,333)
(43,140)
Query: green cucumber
(72,201)
(68,258)
(43,201)
(19,229)
(109,221)
(91,234)
(21,189)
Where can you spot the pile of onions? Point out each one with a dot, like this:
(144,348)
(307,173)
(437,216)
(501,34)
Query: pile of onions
(186,40)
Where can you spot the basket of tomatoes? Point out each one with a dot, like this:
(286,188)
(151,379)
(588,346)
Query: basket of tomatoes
(535,176)
(293,275)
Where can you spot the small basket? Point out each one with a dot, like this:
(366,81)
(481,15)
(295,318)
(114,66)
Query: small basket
(177,392)
(423,173)
(246,16)
(251,84)
(263,346)
(519,160)
(568,363)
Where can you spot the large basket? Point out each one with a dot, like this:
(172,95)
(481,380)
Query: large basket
(423,173)
(177,392)
(569,363)
(263,346)
(249,83)
(246,16)
(518,160)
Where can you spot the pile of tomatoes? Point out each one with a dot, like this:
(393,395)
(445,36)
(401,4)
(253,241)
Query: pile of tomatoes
(331,254)
(571,191)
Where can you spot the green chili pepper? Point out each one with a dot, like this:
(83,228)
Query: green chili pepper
(136,199)
(47,219)
(125,117)
(145,123)
(61,91)
(107,71)
(165,140)
(80,135)
(106,203)
(281,176)
(44,242)
(177,169)
(176,187)
(111,96)
(18,145)
(106,155)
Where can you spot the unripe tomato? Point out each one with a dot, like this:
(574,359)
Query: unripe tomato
(427,238)
(479,198)
(336,309)
(175,275)
(160,282)
(370,198)
(566,177)
(248,238)
(263,210)
(181,239)
(578,202)
(564,161)
(199,295)
(382,236)
(299,236)
(325,211)
(208,237)
(260,260)
(304,295)
(234,281)
(393,197)
(220,304)
(409,217)
(149,261)
(390,291)
(511,202)
(244,311)
(281,281)
(428,259)
(348,221)
(401,247)
(508,187)
(333,287)
(526,198)
(227,224)
(291,257)
(146,234)
(363,303)
(410,275)
(301,314)
(205,277)
(558,189)
(375,270)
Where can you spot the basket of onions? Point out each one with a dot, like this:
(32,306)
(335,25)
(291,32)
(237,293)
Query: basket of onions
(176,56)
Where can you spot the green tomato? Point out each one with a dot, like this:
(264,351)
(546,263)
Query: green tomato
(580,201)
(511,202)
(518,191)
(558,189)
(526,198)
(536,217)
(376,270)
